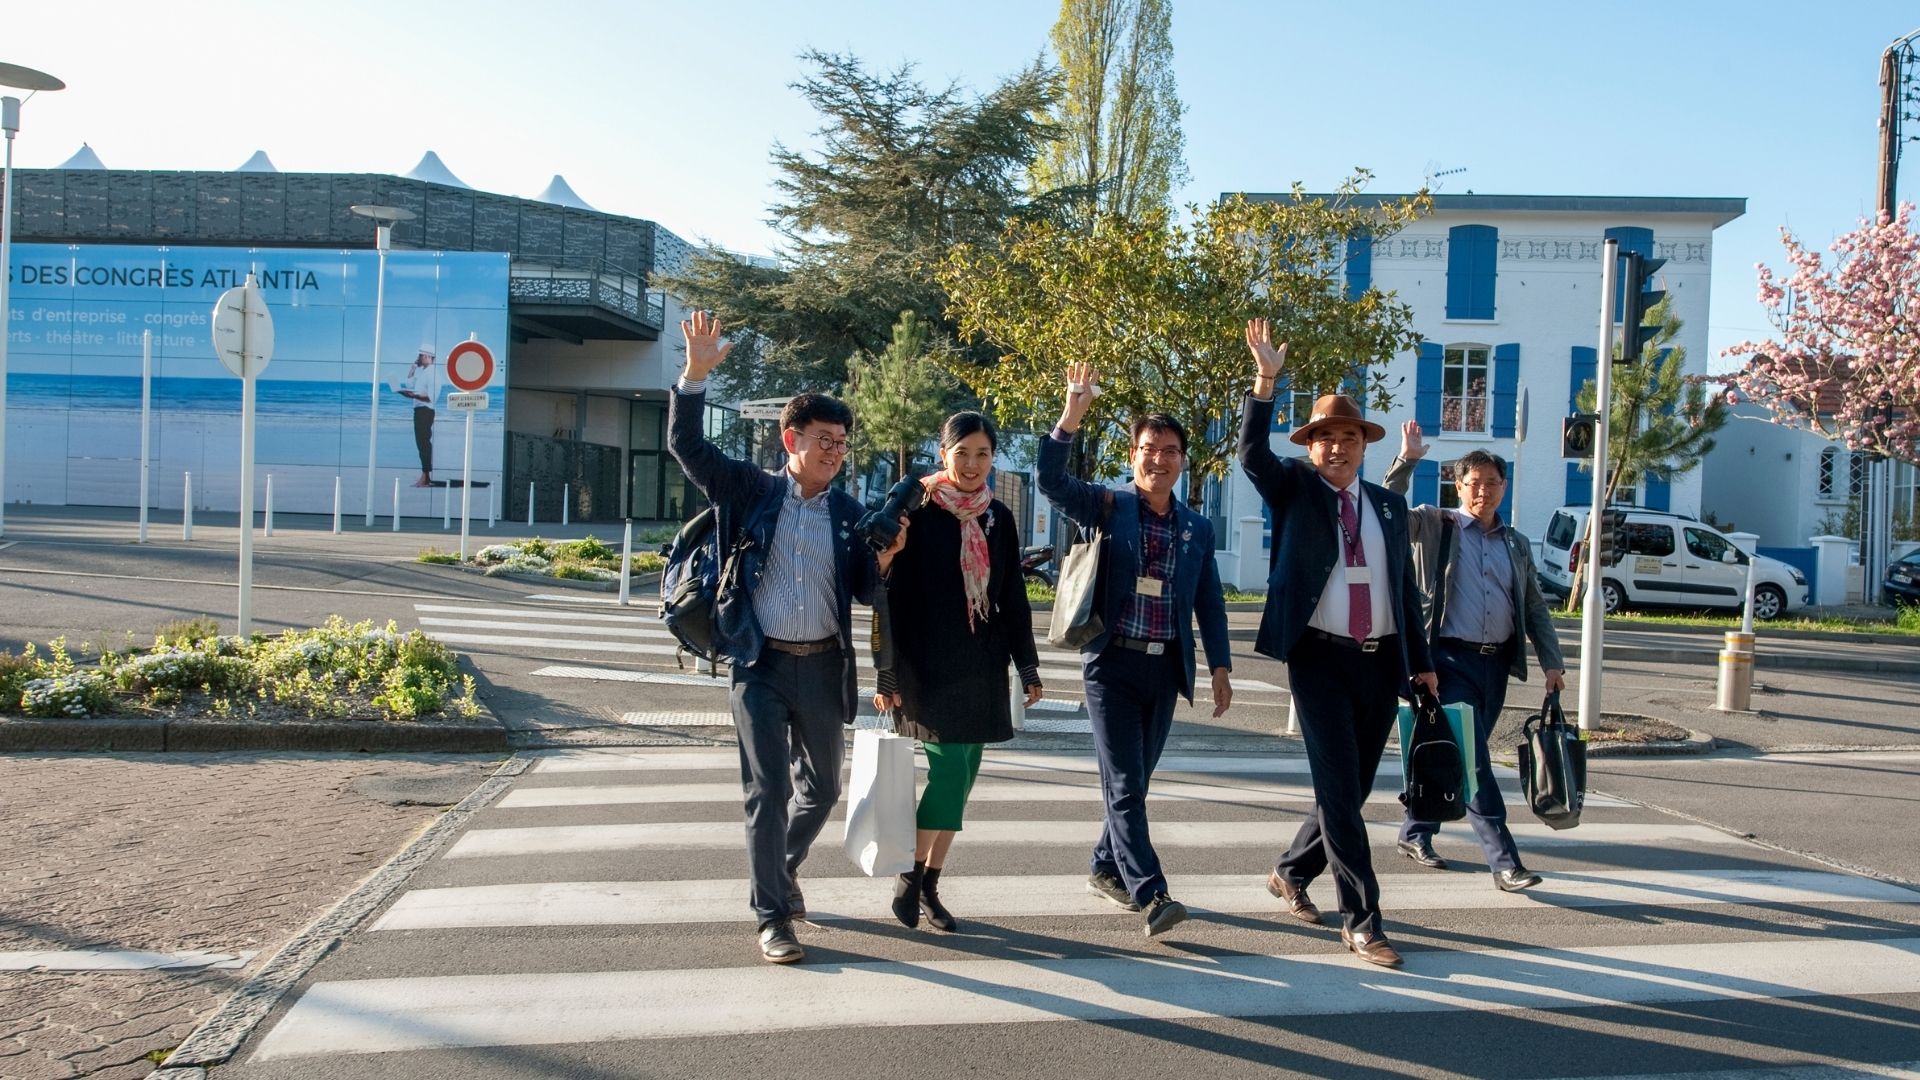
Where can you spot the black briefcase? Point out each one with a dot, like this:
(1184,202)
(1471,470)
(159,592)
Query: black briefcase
(1553,766)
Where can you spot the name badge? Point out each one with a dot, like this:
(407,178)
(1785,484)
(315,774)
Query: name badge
(1359,575)
(1148,586)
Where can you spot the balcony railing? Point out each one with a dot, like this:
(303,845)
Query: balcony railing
(605,287)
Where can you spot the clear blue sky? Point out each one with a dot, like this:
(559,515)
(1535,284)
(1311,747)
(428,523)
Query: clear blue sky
(667,111)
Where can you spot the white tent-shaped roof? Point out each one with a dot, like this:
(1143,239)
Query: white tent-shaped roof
(560,193)
(83,158)
(257,163)
(434,171)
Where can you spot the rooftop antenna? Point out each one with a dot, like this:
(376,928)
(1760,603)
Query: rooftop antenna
(1434,178)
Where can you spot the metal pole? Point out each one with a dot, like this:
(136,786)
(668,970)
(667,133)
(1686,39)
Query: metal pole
(446,508)
(382,238)
(269,514)
(493,502)
(566,492)
(10,119)
(626,564)
(529,504)
(396,504)
(1592,609)
(336,506)
(246,492)
(186,511)
(466,487)
(146,418)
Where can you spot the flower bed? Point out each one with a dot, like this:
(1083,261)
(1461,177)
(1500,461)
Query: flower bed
(339,671)
(576,560)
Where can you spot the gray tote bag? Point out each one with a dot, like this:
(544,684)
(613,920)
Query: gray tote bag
(1076,602)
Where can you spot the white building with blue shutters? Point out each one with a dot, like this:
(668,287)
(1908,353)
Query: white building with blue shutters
(1505,291)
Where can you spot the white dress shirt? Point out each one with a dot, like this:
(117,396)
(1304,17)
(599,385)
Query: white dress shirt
(1331,613)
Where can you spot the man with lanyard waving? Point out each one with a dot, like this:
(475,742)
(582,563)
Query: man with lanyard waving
(1160,576)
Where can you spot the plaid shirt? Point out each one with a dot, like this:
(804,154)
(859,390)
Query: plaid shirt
(1150,618)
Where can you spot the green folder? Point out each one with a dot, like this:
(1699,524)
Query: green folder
(1460,718)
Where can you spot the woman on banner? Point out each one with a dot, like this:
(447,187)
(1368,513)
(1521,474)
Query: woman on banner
(959,616)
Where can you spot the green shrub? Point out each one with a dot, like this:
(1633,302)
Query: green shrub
(15,672)
(437,557)
(536,547)
(589,550)
(648,562)
(186,631)
(75,695)
(577,571)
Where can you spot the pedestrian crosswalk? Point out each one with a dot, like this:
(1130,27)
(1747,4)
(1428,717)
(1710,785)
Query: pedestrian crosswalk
(597,909)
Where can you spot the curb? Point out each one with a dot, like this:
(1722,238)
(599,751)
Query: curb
(361,736)
(219,1037)
(1778,661)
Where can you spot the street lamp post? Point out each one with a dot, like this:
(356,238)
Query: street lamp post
(383,218)
(21,78)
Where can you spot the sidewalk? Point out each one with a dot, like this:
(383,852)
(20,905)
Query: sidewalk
(231,854)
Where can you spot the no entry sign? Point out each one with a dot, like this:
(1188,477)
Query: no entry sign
(470,366)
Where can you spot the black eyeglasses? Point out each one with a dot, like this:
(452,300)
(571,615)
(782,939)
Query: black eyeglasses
(827,442)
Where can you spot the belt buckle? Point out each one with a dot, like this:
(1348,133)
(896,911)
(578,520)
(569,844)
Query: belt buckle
(1156,648)
(1370,645)
(1488,648)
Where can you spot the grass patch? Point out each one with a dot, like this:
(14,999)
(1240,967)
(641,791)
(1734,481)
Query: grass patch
(1044,594)
(1905,622)
(437,557)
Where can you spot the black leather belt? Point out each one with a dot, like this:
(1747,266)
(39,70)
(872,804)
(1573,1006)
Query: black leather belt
(1369,645)
(1484,648)
(805,648)
(1151,648)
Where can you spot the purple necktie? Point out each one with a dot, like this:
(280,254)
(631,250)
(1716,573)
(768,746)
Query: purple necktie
(1359,598)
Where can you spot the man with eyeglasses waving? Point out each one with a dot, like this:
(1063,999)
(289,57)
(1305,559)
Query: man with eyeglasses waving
(1481,601)
(787,628)
(1160,576)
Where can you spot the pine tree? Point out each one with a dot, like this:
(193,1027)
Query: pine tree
(897,396)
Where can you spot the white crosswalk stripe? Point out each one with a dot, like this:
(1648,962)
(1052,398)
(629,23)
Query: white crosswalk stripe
(611,857)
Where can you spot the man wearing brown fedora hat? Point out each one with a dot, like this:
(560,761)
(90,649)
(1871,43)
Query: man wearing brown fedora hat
(1340,593)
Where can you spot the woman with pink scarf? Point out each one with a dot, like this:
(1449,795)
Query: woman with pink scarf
(959,614)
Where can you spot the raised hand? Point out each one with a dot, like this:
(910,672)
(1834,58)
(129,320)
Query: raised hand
(1082,379)
(705,350)
(1270,360)
(1412,446)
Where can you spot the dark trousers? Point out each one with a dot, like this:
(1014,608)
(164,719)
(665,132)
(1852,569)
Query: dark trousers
(1130,698)
(1345,701)
(423,436)
(1479,681)
(789,712)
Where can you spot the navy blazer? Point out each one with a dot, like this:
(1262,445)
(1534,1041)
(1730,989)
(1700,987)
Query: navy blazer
(1196,576)
(752,498)
(1306,544)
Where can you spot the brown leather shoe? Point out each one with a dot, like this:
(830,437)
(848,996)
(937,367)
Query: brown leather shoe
(1296,899)
(1372,948)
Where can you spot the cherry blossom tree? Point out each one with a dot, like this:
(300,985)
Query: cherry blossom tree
(1846,363)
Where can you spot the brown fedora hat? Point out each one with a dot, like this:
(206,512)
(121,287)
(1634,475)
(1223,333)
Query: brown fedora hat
(1337,409)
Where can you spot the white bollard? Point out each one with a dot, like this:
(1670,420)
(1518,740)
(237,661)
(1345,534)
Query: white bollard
(186,511)
(269,506)
(493,503)
(446,508)
(626,564)
(566,492)
(396,504)
(529,504)
(336,506)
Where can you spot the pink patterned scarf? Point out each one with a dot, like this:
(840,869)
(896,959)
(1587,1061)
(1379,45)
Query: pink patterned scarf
(974,566)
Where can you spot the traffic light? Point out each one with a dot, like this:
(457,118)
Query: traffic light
(1637,281)
(1577,435)
(1611,540)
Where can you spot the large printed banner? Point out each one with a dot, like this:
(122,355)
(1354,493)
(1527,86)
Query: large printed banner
(74,376)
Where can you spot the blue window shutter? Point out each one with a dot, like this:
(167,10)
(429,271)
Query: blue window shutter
(1631,238)
(1426,381)
(1585,369)
(1506,500)
(1459,274)
(1657,492)
(1486,264)
(1426,483)
(1266,519)
(1359,265)
(1506,388)
(1579,486)
(1472,258)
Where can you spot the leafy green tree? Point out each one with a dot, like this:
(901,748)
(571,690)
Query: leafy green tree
(1121,147)
(902,174)
(1161,309)
(898,396)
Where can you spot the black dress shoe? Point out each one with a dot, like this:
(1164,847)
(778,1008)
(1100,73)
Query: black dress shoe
(796,901)
(1163,914)
(906,896)
(778,945)
(1111,887)
(1515,879)
(1294,897)
(1420,850)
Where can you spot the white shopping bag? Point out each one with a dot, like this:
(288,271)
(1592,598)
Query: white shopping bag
(880,832)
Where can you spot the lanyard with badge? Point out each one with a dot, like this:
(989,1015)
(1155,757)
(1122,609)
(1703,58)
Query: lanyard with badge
(1358,572)
(1146,584)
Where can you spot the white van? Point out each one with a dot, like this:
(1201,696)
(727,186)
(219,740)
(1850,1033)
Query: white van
(1669,560)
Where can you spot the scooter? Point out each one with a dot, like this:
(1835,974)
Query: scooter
(1034,562)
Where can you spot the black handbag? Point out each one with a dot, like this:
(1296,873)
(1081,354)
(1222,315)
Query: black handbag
(1078,599)
(1436,769)
(1553,766)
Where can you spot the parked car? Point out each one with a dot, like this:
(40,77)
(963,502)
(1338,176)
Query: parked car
(1903,580)
(1668,560)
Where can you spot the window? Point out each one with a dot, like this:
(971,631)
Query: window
(1649,538)
(1463,390)
(1300,407)
(1828,458)
(1472,251)
(1856,475)
(1708,545)
(1560,532)
(1449,495)
(1904,487)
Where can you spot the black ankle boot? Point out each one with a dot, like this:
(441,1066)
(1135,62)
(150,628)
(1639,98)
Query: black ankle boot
(906,896)
(938,916)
